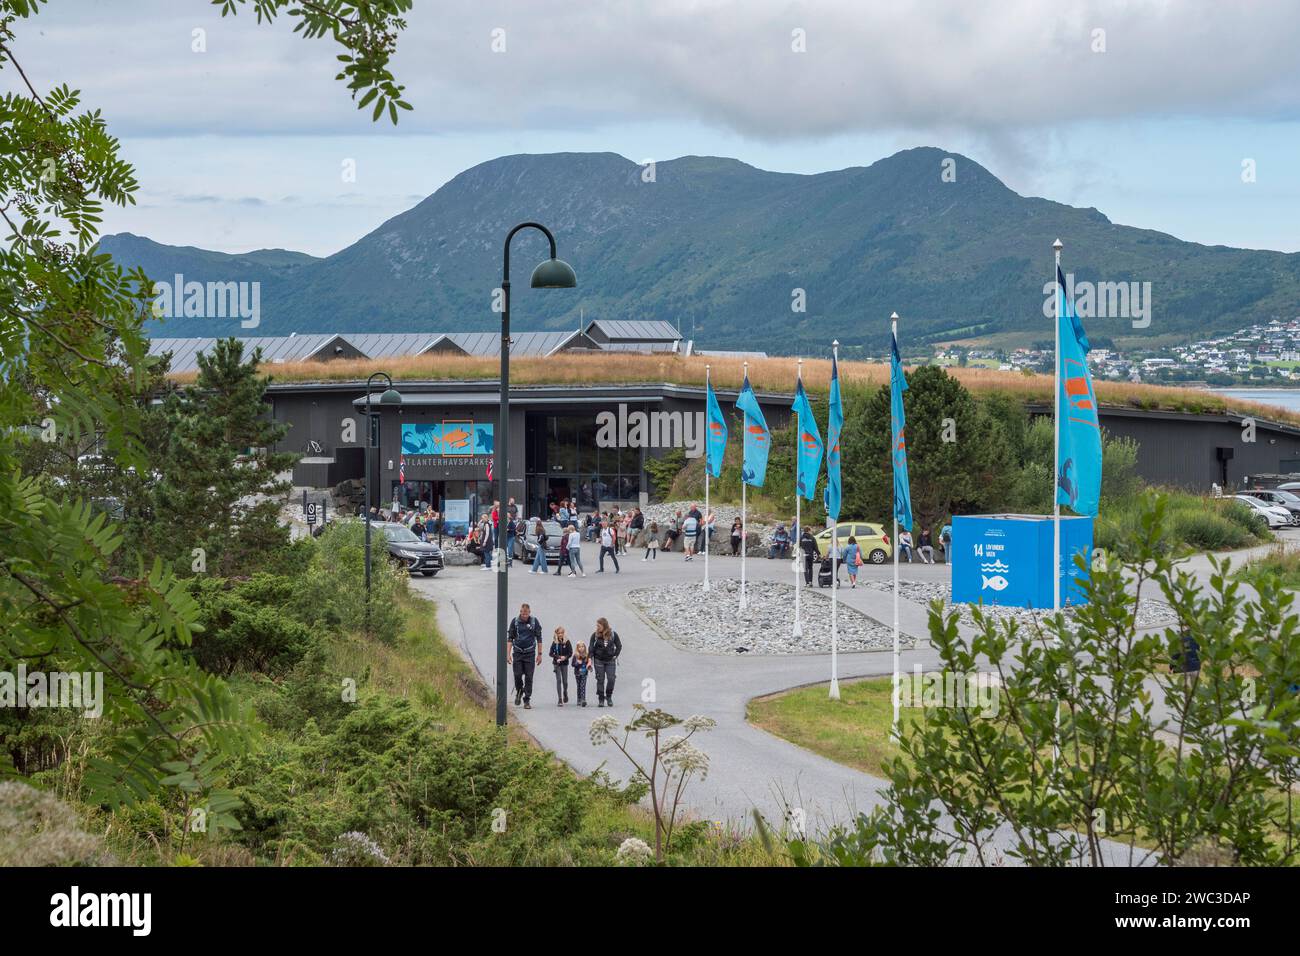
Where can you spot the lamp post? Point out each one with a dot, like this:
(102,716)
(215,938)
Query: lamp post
(391,396)
(552,273)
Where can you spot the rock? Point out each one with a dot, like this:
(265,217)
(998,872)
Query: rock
(709,622)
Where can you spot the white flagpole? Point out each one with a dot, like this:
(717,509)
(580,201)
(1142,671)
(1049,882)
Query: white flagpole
(707,383)
(835,580)
(744,508)
(798,577)
(1056,472)
(1056,445)
(893,327)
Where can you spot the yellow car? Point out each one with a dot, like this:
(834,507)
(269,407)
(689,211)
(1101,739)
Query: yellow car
(872,539)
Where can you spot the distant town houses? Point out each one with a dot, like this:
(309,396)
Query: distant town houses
(1264,353)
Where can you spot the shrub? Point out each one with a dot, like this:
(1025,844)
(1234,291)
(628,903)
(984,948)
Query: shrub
(332,592)
(248,625)
(1075,766)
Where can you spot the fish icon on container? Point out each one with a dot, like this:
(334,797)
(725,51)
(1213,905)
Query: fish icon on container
(997,582)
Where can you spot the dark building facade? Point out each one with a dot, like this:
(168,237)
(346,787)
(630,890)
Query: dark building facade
(1193,451)
(589,444)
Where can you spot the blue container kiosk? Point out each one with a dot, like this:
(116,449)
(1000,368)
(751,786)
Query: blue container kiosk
(1007,560)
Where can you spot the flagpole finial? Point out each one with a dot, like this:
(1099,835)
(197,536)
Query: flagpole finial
(1058,245)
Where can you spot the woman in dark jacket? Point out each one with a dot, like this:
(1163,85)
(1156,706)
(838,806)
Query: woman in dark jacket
(604,649)
(808,545)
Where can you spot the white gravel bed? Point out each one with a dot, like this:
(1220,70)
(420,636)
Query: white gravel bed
(1149,613)
(710,622)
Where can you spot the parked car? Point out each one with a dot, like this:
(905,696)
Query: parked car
(527,547)
(405,547)
(1273,515)
(1285,499)
(872,539)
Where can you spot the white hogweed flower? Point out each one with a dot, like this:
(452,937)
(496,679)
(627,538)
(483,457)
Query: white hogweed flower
(634,852)
(603,729)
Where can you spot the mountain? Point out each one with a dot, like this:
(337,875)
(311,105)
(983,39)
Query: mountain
(718,247)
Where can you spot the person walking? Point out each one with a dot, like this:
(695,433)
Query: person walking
(581,668)
(808,545)
(605,648)
(539,556)
(608,545)
(638,529)
(575,553)
(564,552)
(924,546)
(690,534)
(561,651)
(945,542)
(737,536)
(652,543)
(524,653)
(852,560)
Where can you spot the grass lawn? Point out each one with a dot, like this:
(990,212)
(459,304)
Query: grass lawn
(853,730)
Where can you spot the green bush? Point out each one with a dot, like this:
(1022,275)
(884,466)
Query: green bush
(332,591)
(1209,531)
(247,625)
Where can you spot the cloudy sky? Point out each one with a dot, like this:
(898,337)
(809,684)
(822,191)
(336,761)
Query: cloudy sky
(1145,109)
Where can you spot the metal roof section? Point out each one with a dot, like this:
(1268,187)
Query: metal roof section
(632,330)
(599,335)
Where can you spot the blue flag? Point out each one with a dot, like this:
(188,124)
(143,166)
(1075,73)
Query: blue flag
(898,443)
(810,449)
(753,470)
(1078,482)
(716,439)
(834,424)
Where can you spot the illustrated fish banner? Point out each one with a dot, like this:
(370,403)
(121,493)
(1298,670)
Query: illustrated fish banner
(448,438)
(1078,482)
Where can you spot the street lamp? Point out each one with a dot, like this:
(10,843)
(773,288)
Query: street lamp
(391,396)
(552,273)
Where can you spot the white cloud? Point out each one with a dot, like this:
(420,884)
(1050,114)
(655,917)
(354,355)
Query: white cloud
(915,64)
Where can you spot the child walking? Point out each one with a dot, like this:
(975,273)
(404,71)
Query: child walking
(581,668)
(561,652)
(652,543)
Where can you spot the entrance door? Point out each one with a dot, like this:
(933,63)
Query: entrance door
(557,491)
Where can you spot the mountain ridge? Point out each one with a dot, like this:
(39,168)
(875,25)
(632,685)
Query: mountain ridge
(720,247)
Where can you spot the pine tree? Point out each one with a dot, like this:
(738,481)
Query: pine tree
(220,489)
(958,456)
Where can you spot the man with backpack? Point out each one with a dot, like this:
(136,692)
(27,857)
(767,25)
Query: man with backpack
(524,653)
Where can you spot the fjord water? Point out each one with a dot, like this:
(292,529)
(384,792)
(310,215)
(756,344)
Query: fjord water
(1288,398)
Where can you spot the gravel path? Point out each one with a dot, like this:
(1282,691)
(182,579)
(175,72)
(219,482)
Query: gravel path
(710,623)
